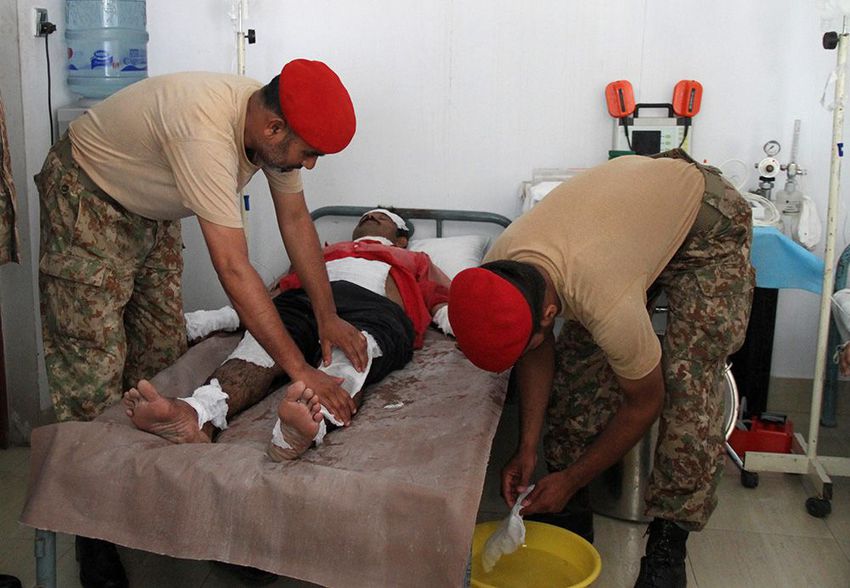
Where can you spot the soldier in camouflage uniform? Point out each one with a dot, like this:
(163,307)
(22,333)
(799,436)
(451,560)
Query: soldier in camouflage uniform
(707,276)
(707,321)
(97,259)
(113,191)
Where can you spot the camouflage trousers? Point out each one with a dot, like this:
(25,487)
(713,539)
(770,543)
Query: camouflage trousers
(111,304)
(709,285)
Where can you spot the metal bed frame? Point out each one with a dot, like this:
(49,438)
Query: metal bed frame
(45,541)
(439,216)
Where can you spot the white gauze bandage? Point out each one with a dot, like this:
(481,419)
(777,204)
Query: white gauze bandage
(201,323)
(210,402)
(352,382)
(277,435)
(441,319)
(366,273)
(250,350)
(397,220)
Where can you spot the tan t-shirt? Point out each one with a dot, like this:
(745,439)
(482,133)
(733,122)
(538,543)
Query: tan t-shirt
(172,146)
(603,237)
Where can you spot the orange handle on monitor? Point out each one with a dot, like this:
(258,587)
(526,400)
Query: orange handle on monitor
(620,98)
(687,95)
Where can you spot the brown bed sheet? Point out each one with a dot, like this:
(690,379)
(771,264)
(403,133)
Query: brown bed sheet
(389,501)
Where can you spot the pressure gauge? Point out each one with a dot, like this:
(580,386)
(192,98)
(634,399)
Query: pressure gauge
(772,148)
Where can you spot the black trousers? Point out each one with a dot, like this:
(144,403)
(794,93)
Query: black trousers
(380,317)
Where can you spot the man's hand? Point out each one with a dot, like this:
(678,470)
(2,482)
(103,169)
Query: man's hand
(331,395)
(516,475)
(550,494)
(335,332)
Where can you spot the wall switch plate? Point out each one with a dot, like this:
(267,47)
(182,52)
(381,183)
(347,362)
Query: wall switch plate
(39,17)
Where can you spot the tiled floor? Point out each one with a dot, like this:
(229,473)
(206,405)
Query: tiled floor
(759,537)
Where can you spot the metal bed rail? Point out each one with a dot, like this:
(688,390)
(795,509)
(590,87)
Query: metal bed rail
(439,216)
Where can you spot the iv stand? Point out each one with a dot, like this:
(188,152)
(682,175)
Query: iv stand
(241,37)
(804,459)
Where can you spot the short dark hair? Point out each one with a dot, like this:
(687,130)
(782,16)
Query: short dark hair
(271,96)
(400,232)
(528,280)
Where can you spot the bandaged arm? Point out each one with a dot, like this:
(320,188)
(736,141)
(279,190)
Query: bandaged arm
(434,285)
(440,318)
(201,323)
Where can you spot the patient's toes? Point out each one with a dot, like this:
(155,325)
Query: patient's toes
(296,390)
(131,396)
(147,391)
(315,408)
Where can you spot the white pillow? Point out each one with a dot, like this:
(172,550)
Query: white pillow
(453,254)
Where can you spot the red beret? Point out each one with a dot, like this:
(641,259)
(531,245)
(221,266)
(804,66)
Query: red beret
(316,105)
(490,318)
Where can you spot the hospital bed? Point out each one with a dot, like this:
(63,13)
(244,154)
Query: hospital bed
(389,501)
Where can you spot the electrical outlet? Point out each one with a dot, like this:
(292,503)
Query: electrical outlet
(39,17)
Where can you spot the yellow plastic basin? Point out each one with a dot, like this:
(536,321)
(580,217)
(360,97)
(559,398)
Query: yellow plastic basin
(551,556)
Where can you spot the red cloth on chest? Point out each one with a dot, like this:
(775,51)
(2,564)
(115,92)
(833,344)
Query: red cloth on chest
(420,286)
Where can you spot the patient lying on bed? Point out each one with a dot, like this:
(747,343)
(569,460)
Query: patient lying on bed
(389,293)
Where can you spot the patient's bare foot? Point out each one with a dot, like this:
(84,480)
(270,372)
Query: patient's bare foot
(171,419)
(299,421)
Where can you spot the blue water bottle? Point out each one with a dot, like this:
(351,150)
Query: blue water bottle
(107,45)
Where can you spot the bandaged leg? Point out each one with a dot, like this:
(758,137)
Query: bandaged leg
(352,381)
(178,422)
(210,402)
(250,350)
(293,433)
(246,376)
(299,409)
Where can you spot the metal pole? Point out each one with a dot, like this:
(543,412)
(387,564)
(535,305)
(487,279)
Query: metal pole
(240,39)
(240,69)
(829,252)
(45,559)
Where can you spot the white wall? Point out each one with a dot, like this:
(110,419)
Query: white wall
(457,102)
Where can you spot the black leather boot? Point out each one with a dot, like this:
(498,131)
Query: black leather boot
(577,516)
(100,565)
(663,566)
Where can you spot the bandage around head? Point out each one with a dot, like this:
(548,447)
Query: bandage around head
(397,220)
(210,402)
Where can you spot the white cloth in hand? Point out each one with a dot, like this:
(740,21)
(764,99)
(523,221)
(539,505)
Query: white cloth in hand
(201,323)
(507,538)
